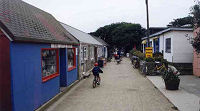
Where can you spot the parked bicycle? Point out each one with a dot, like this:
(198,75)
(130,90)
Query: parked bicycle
(136,63)
(157,69)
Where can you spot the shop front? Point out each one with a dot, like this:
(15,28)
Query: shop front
(31,56)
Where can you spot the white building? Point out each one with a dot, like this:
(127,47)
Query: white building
(173,43)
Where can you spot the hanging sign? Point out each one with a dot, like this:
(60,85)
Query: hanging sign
(60,46)
(148,52)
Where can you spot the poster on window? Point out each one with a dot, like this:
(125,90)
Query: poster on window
(70,56)
(48,62)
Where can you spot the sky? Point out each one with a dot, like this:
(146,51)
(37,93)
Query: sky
(89,15)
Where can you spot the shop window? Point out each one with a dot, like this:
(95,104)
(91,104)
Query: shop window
(85,53)
(50,64)
(168,45)
(71,58)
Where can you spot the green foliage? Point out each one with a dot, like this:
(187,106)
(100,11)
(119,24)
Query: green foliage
(121,35)
(138,54)
(182,21)
(150,59)
(196,14)
(196,43)
(195,11)
(158,58)
(168,75)
(158,54)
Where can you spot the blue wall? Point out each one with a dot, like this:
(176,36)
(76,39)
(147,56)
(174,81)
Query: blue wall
(67,77)
(63,68)
(28,90)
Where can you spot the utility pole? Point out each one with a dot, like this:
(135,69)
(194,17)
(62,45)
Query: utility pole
(147,10)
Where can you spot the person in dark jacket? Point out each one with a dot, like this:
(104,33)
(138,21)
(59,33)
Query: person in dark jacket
(96,70)
(119,53)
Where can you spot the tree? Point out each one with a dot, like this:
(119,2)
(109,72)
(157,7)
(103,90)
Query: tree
(121,35)
(195,11)
(196,14)
(182,22)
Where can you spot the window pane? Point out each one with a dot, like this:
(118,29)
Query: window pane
(70,55)
(156,45)
(168,45)
(48,62)
(150,43)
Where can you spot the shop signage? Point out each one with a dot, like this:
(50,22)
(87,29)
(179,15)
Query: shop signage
(60,46)
(148,52)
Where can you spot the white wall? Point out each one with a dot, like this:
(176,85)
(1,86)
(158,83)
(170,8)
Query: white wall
(183,50)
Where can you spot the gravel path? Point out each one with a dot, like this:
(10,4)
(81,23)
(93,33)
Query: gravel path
(122,89)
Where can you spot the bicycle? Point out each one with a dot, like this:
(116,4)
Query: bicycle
(136,63)
(96,82)
(157,70)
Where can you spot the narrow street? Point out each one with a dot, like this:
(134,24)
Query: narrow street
(122,89)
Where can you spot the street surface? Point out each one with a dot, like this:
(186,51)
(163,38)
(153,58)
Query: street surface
(122,89)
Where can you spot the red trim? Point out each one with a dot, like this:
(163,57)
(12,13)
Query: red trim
(44,79)
(73,67)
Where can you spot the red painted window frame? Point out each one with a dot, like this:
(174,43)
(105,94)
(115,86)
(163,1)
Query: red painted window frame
(73,67)
(45,79)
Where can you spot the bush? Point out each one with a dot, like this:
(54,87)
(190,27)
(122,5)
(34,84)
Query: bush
(138,54)
(158,55)
(168,75)
(196,43)
(196,14)
(150,59)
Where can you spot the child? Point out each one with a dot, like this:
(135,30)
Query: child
(96,70)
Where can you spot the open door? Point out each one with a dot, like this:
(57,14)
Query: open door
(95,54)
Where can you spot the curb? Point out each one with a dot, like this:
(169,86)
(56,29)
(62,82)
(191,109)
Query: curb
(57,97)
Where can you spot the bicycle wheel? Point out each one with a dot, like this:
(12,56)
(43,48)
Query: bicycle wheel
(94,84)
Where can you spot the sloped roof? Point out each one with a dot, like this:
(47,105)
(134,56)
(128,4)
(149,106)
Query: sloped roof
(24,22)
(167,30)
(80,35)
(101,41)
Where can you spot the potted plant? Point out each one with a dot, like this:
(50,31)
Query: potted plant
(171,80)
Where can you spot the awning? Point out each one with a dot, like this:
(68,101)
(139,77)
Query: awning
(144,42)
(155,38)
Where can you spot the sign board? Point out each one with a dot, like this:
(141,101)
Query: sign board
(148,52)
(60,46)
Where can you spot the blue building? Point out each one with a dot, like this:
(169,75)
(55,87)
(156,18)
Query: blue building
(37,56)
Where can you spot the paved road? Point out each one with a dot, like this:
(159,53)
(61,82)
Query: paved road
(122,89)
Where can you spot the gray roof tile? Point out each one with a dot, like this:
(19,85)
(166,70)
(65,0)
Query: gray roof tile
(24,22)
(80,35)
